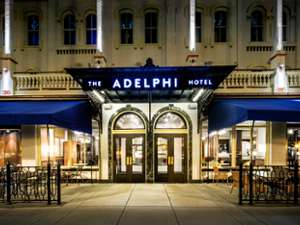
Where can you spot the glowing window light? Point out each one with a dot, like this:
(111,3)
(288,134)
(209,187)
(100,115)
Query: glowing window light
(7,24)
(192,45)
(99,45)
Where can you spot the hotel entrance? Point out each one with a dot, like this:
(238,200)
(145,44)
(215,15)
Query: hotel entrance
(129,148)
(170,136)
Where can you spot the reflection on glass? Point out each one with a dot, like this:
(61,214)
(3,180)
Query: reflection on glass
(121,155)
(178,154)
(129,121)
(170,121)
(137,155)
(162,155)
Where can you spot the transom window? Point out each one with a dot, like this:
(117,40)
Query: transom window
(69,29)
(129,121)
(170,120)
(91,29)
(198,26)
(221,26)
(126,27)
(257,25)
(151,30)
(33,30)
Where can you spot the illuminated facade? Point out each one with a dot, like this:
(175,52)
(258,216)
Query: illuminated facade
(140,136)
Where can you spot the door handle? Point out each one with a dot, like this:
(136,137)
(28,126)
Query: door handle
(127,160)
(169,163)
(130,160)
(172,160)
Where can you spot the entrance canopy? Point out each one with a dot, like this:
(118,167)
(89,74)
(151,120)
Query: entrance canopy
(224,113)
(132,84)
(74,115)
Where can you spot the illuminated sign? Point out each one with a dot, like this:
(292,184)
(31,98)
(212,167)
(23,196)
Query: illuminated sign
(150,78)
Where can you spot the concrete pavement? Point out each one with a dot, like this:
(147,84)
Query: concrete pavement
(147,204)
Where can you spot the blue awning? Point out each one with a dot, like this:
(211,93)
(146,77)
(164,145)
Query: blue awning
(224,113)
(74,115)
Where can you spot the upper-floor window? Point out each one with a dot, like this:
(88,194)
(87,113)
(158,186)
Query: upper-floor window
(3,31)
(33,30)
(198,26)
(126,26)
(91,29)
(284,26)
(69,29)
(151,27)
(221,26)
(257,25)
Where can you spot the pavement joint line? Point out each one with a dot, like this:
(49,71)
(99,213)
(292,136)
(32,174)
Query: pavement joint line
(126,205)
(171,206)
(239,208)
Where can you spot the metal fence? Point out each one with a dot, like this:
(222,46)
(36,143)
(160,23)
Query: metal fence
(30,184)
(269,184)
(80,174)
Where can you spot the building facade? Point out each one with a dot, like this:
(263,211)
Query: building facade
(47,36)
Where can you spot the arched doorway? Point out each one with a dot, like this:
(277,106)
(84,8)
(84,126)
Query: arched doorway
(128,145)
(170,143)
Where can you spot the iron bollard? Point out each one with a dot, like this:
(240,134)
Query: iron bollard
(8,183)
(251,184)
(58,184)
(49,183)
(241,184)
(296,182)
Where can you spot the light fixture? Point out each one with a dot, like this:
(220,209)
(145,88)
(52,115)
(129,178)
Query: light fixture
(99,96)
(213,133)
(198,95)
(290,131)
(222,132)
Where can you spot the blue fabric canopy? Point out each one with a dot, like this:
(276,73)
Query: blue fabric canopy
(75,115)
(224,113)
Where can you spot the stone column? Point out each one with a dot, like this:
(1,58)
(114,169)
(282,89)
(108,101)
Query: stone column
(8,62)
(233,143)
(277,61)
(99,58)
(278,143)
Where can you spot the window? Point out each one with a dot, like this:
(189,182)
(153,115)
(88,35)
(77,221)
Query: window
(129,121)
(284,26)
(91,29)
(33,30)
(69,30)
(151,22)
(220,26)
(170,120)
(257,26)
(126,26)
(3,31)
(198,26)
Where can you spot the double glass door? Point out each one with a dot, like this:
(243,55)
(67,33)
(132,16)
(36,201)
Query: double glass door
(170,158)
(129,158)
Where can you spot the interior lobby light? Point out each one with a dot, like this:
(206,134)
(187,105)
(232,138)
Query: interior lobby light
(99,96)
(198,95)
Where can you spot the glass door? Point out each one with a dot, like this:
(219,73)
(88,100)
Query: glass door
(129,158)
(170,158)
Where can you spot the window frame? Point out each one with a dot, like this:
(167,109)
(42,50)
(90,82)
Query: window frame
(199,29)
(151,28)
(260,26)
(90,29)
(70,30)
(123,12)
(218,37)
(28,31)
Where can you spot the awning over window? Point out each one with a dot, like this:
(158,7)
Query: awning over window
(224,113)
(74,115)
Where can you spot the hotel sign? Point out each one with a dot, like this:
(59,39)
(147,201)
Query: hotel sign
(153,78)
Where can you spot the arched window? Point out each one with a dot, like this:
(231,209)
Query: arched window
(257,25)
(91,29)
(33,30)
(151,27)
(221,26)
(129,121)
(170,120)
(198,26)
(69,29)
(126,27)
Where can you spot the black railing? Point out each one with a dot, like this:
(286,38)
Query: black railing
(80,174)
(30,184)
(276,184)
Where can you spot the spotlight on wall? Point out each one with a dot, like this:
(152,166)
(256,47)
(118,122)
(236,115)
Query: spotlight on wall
(198,95)
(99,96)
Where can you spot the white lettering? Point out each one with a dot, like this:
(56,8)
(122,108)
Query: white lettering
(116,84)
(175,83)
(137,83)
(166,82)
(155,82)
(146,85)
(127,83)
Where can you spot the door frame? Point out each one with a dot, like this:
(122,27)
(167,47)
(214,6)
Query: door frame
(171,177)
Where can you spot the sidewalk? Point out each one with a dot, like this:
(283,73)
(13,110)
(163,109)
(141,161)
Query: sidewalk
(147,204)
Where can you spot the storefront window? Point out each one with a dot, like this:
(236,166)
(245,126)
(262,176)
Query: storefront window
(10,147)
(293,134)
